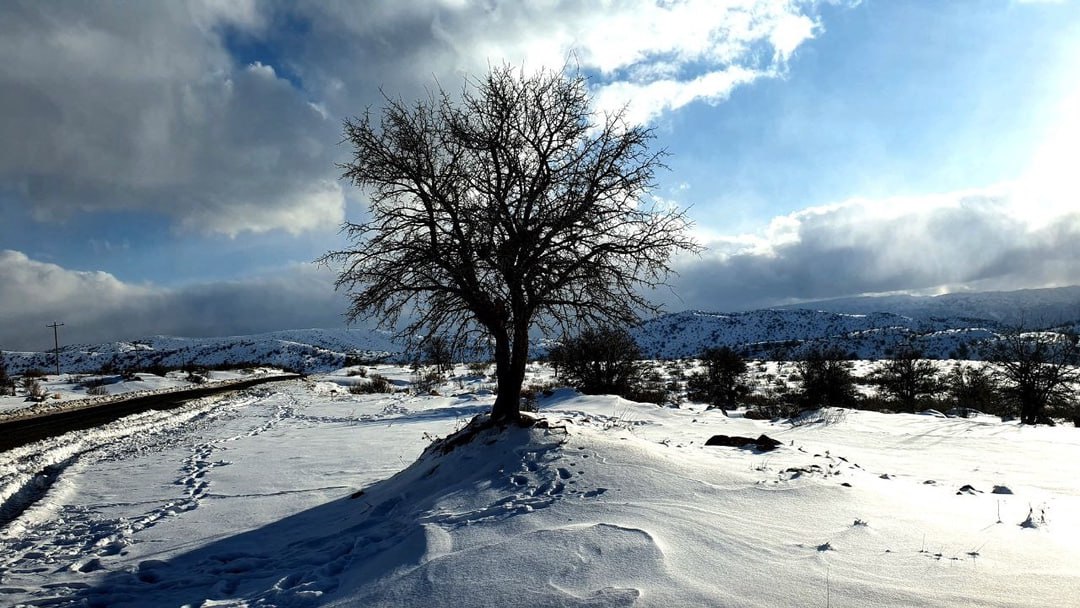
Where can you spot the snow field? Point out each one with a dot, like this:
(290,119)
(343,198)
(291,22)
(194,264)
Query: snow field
(254,502)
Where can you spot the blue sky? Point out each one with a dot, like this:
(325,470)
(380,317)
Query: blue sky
(169,167)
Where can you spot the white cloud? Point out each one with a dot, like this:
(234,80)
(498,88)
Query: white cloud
(645,102)
(658,55)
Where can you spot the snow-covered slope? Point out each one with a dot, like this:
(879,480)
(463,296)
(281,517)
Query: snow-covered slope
(1034,308)
(786,334)
(942,327)
(304,350)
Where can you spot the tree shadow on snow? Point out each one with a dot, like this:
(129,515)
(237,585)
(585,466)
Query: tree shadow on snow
(391,544)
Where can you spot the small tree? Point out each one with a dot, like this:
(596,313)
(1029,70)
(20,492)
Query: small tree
(973,387)
(1036,370)
(722,382)
(510,206)
(826,379)
(600,361)
(907,378)
(439,352)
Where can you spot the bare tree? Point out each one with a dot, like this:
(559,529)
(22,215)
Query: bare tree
(722,382)
(439,351)
(508,207)
(907,377)
(1036,369)
(826,379)
(973,387)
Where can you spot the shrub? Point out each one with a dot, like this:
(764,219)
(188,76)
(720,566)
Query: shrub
(156,369)
(376,383)
(600,361)
(974,387)
(722,383)
(7,383)
(426,380)
(33,389)
(33,372)
(360,371)
(89,383)
(826,379)
(479,369)
(823,416)
(907,378)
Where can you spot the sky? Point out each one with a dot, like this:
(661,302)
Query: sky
(170,167)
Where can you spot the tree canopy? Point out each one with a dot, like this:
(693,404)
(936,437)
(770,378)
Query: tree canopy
(510,206)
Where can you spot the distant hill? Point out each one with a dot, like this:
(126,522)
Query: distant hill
(788,334)
(304,350)
(1032,308)
(942,327)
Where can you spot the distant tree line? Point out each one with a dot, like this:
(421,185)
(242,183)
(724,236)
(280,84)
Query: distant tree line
(1030,376)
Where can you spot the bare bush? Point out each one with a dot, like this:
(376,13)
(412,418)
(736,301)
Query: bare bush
(907,378)
(376,383)
(1037,371)
(33,389)
(600,361)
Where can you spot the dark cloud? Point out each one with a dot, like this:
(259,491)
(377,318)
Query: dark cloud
(137,106)
(96,307)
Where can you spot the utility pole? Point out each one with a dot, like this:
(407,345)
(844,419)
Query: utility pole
(56,342)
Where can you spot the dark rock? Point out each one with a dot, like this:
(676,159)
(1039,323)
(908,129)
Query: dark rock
(763,443)
(1001,490)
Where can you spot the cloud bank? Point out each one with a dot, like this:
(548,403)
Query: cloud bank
(97,307)
(977,240)
(139,106)
(981,240)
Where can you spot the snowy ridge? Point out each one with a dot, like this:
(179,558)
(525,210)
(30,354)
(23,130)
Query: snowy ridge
(787,334)
(1030,307)
(942,327)
(303,350)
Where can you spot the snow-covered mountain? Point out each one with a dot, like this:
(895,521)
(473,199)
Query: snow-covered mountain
(941,327)
(1032,308)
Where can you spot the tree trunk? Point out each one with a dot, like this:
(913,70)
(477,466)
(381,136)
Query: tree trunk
(511,356)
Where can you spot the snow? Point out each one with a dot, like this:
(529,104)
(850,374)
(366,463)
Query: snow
(302,494)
